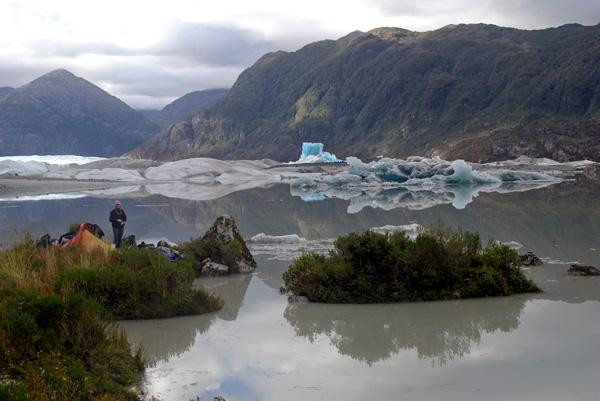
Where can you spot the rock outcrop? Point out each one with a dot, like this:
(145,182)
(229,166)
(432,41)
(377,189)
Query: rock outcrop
(582,270)
(222,250)
(530,259)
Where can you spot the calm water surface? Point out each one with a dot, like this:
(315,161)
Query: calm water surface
(259,347)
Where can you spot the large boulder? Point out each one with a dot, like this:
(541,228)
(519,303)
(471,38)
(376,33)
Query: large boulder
(581,270)
(210,268)
(223,244)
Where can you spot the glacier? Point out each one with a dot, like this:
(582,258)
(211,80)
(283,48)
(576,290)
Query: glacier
(39,164)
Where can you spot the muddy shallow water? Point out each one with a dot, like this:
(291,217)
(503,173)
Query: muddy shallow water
(259,347)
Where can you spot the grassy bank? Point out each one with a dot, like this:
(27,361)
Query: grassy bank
(438,264)
(56,342)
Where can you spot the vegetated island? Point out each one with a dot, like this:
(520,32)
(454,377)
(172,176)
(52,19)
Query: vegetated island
(57,304)
(438,264)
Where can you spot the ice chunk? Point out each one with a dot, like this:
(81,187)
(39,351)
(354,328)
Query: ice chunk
(412,230)
(464,174)
(313,153)
(278,239)
(287,247)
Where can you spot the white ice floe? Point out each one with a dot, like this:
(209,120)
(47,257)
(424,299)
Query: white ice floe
(540,161)
(44,197)
(59,160)
(513,244)
(287,247)
(36,165)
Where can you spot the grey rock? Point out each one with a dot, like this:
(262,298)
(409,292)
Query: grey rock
(297,299)
(210,268)
(582,270)
(225,230)
(530,259)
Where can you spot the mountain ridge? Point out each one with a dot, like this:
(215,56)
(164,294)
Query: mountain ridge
(474,91)
(185,106)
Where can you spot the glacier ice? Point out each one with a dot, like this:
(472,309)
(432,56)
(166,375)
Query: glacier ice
(35,165)
(312,152)
(412,229)
(414,183)
(287,247)
(59,160)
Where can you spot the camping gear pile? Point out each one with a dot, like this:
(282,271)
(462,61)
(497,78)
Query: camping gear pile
(87,234)
(163,248)
(90,235)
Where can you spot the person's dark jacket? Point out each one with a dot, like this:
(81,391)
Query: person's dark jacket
(117,214)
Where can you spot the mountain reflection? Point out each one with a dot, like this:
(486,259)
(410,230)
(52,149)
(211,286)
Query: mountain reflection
(163,339)
(438,331)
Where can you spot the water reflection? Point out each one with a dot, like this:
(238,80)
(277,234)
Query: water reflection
(163,339)
(561,222)
(438,331)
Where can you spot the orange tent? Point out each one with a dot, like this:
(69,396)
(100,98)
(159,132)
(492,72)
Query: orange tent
(88,240)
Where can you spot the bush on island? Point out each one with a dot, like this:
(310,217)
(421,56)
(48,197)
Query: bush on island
(140,284)
(438,264)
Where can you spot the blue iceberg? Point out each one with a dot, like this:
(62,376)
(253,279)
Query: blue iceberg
(313,153)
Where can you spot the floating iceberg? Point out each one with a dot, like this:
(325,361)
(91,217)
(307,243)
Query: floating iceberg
(287,247)
(414,183)
(313,153)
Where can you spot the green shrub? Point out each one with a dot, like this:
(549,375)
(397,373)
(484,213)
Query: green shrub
(218,251)
(62,349)
(439,264)
(138,284)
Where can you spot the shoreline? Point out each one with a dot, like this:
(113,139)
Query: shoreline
(24,186)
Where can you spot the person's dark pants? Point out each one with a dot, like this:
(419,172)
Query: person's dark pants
(118,236)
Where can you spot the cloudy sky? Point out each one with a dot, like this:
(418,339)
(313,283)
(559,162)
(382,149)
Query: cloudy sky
(149,52)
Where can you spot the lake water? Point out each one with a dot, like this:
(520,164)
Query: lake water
(260,347)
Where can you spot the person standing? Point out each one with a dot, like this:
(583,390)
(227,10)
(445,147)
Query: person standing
(118,219)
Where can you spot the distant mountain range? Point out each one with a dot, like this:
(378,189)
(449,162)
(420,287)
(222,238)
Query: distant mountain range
(60,113)
(185,106)
(479,92)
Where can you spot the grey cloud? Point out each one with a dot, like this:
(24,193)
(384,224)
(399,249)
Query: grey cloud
(50,48)
(544,13)
(213,45)
(530,14)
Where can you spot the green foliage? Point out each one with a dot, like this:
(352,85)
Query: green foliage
(60,348)
(218,251)
(55,304)
(439,264)
(140,284)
